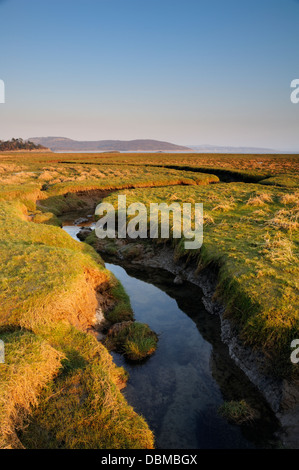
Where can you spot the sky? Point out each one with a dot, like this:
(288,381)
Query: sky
(191,72)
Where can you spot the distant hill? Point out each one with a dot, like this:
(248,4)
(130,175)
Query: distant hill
(18,145)
(60,144)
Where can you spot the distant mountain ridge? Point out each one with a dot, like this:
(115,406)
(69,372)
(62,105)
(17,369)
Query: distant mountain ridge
(64,144)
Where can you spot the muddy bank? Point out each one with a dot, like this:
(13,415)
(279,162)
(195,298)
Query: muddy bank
(282,395)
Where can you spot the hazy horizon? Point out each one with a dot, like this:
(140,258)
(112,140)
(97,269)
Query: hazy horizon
(176,143)
(191,146)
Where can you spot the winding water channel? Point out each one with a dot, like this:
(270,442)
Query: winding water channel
(180,388)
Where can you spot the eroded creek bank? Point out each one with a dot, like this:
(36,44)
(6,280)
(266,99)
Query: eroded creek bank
(280,394)
(180,388)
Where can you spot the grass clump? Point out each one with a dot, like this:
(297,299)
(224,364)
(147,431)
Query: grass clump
(223,207)
(39,217)
(237,412)
(121,309)
(259,199)
(290,198)
(278,249)
(285,219)
(133,339)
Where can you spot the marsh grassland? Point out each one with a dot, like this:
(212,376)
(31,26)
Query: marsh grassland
(57,376)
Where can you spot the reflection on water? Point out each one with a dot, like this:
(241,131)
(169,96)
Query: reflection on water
(180,388)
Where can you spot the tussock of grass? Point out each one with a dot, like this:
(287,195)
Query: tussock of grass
(260,215)
(223,207)
(208,219)
(290,198)
(259,200)
(135,340)
(47,218)
(121,310)
(238,412)
(139,349)
(285,219)
(278,249)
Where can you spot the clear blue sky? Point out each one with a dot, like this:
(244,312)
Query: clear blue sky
(187,71)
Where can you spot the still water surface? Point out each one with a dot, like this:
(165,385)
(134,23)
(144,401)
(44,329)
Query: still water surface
(180,388)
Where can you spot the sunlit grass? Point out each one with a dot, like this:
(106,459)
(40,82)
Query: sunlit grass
(253,239)
(83,408)
(51,284)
